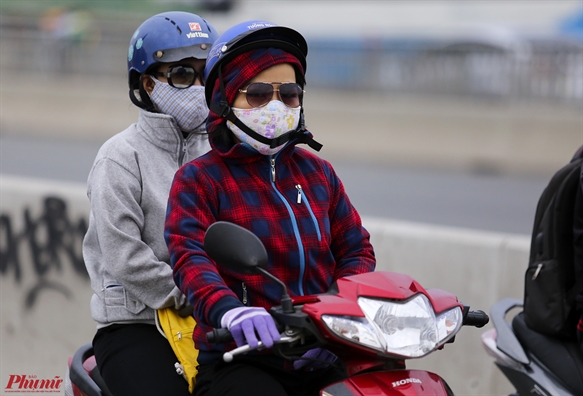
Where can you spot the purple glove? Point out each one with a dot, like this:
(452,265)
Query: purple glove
(245,323)
(316,358)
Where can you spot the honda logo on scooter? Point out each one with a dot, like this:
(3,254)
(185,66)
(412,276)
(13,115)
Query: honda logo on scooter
(407,381)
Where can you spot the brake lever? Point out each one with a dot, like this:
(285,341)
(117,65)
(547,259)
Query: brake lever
(228,356)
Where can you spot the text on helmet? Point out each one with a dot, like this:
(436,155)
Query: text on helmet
(197,35)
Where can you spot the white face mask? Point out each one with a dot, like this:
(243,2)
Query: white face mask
(187,106)
(271,121)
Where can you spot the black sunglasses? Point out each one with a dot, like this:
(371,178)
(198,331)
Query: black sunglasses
(179,76)
(259,94)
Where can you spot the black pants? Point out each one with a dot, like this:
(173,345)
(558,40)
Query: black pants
(258,376)
(136,360)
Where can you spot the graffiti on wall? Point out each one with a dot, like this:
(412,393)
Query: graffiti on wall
(53,242)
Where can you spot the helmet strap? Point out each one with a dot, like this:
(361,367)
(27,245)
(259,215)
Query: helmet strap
(144,101)
(224,110)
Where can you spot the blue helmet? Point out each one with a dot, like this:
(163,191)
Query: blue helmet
(168,37)
(247,36)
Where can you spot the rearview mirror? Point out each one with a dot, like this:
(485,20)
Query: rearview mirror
(235,247)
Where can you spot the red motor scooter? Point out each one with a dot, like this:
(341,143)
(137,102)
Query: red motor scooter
(373,322)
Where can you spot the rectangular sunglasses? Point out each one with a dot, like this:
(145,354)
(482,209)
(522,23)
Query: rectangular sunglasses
(259,94)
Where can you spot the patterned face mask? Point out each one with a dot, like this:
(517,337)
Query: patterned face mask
(271,121)
(187,106)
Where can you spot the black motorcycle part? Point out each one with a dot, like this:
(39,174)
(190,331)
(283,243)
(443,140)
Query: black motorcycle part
(476,318)
(522,382)
(506,341)
(90,386)
(564,357)
(219,336)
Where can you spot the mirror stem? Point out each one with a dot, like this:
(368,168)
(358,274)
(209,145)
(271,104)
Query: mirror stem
(286,302)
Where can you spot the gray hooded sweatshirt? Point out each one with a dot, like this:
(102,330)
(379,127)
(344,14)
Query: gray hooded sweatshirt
(124,248)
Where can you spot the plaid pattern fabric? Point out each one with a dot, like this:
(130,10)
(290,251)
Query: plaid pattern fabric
(243,68)
(311,241)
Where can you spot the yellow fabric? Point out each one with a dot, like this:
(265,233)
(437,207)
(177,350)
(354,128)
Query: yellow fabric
(178,331)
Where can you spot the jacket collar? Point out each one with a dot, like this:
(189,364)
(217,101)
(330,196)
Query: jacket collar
(162,131)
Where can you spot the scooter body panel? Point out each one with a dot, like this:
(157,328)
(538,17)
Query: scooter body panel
(379,285)
(522,369)
(391,383)
(376,285)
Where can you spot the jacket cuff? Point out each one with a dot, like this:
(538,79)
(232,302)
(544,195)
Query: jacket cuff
(220,308)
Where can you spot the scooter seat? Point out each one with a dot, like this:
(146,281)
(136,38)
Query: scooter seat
(96,375)
(562,358)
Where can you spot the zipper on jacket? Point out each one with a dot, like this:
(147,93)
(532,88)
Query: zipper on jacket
(183,152)
(538,269)
(299,188)
(295,227)
(244,293)
(312,215)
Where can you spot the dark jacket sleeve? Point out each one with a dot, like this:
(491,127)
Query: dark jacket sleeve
(351,245)
(578,240)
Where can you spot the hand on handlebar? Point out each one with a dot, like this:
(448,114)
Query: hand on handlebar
(316,358)
(246,323)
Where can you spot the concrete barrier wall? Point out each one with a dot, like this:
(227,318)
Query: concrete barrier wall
(45,290)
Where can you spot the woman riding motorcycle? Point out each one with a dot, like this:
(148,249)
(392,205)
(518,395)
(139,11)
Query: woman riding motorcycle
(256,176)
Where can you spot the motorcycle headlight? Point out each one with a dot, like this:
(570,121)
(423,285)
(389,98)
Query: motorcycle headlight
(409,329)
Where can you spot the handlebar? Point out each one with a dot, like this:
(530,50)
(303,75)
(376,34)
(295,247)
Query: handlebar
(476,318)
(219,336)
(228,356)
(222,335)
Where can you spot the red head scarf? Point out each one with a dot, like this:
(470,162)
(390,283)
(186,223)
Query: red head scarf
(243,68)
